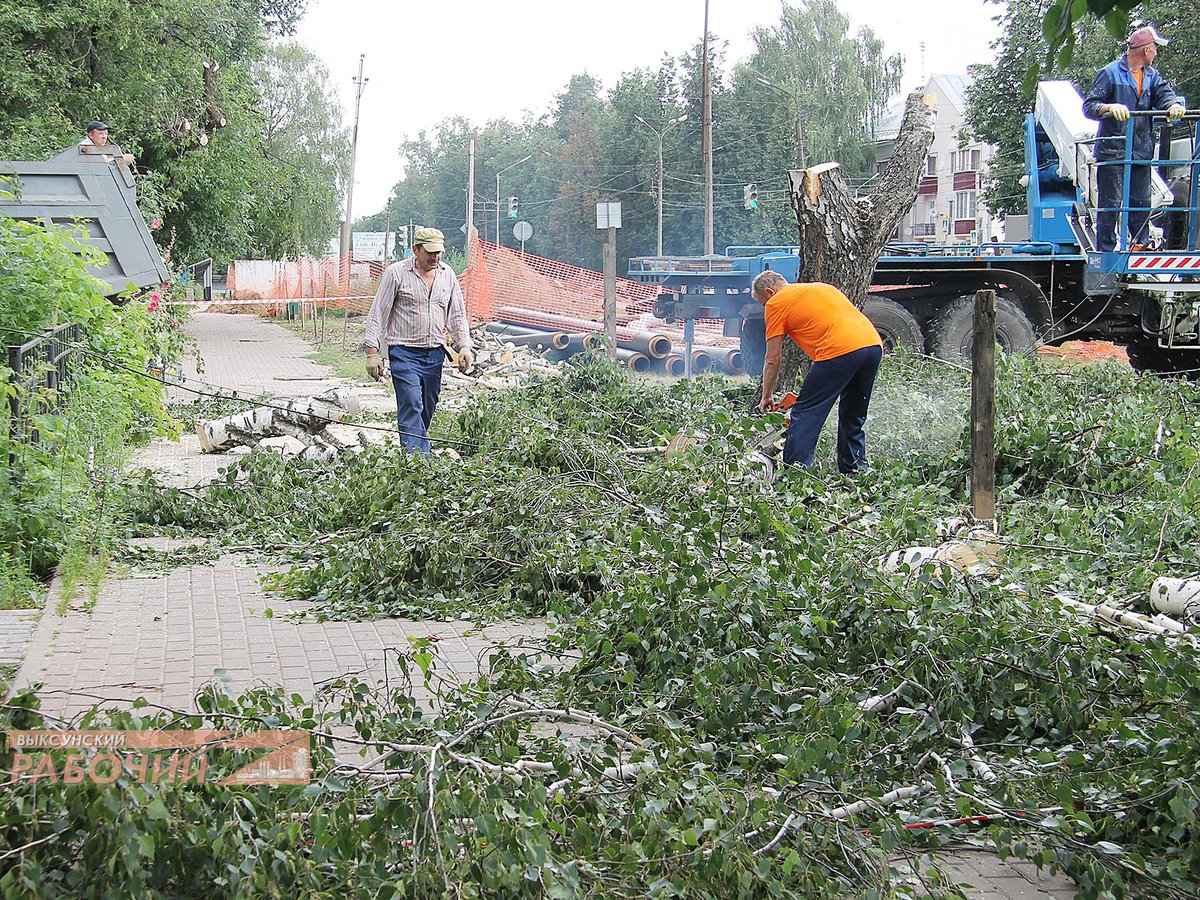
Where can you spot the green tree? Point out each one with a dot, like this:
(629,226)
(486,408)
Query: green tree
(590,145)
(577,124)
(809,93)
(298,209)
(1062,18)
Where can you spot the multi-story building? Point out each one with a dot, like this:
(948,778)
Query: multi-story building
(948,209)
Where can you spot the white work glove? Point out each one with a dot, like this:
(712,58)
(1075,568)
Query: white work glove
(465,360)
(375,366)
(1118,111)
(1176,111)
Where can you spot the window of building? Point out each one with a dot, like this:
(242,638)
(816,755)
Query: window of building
(964,205)
(967,160)
(931,164)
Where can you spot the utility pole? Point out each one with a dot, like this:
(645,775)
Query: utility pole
(660,135)
(359,84)
(608,218)
(387,227)
(706,141)
(610,292)
(470,194)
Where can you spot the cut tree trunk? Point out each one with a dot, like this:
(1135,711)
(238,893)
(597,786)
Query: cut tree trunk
(300,418)
(842,234)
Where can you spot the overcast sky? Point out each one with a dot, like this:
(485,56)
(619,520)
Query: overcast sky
(487,59)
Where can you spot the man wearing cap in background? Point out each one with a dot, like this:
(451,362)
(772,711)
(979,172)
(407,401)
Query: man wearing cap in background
(1127,84)
(418,301)
(97,136)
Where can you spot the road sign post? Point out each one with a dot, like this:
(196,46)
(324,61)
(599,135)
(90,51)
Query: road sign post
(608,217)
(522,231)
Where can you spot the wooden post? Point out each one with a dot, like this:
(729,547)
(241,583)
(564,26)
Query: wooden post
(983,408)
(610,292)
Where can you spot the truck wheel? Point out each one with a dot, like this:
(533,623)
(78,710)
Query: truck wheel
(954,330)
(1147,356)
(896,326)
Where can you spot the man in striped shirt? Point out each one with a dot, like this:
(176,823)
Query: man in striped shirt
(418,301)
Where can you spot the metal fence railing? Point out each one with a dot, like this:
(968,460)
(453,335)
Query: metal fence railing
(41,372)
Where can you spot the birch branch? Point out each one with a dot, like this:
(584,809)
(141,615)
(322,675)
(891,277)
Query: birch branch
(881,702)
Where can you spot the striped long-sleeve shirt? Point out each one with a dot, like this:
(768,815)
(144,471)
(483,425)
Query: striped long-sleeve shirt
(407,312)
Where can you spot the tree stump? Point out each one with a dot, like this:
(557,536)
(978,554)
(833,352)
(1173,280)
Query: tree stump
(841,233)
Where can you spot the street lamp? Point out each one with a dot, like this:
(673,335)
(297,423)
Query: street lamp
(498,174)
(799,120)
(660,135)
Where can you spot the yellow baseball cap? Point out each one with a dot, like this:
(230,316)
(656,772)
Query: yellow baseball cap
(431,239)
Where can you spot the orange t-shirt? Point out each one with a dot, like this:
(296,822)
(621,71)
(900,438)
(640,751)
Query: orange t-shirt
(820,319)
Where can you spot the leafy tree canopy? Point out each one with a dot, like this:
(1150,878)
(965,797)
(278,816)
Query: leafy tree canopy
(595,144)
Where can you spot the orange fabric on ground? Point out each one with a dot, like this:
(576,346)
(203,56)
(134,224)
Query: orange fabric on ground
(820,319)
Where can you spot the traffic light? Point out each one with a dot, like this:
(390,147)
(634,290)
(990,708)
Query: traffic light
(512,207)
(750,196)
(402,237)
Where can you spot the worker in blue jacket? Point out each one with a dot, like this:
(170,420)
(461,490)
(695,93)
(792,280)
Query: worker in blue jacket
(1128,83)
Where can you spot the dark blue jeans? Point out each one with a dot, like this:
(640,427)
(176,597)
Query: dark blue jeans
(417,377)
(851,377)
(1109,180)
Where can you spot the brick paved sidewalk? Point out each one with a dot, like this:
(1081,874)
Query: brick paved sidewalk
(163,636)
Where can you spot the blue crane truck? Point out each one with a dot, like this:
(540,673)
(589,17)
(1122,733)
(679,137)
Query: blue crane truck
(1052,285)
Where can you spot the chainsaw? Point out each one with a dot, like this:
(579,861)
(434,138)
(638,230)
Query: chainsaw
(786,402)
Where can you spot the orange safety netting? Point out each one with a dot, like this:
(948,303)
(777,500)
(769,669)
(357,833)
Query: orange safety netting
(349,283)
(345,282)
(507,285)
(1092,351)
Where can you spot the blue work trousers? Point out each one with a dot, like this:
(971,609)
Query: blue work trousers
(1109,180)
(850,377)
(417,378)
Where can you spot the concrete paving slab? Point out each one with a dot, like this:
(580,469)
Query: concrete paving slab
(164,637)
(16,626)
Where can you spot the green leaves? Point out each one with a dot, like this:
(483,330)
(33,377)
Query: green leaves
(734,628)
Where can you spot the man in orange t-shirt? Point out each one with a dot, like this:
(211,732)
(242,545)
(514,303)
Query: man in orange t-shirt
(846,352)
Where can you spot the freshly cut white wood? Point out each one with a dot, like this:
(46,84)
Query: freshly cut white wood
(1176,596)
(295,417)
(912,557)
(1159,624)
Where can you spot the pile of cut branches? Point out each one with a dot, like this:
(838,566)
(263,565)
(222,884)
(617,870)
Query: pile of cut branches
(734,698)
